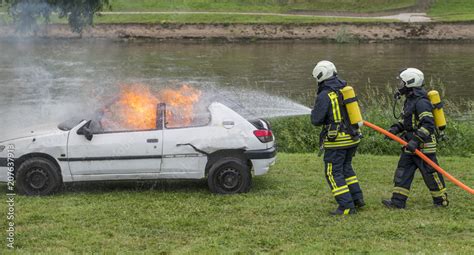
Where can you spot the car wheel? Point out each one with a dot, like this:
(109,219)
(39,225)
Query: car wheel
(229,176)
(38,177)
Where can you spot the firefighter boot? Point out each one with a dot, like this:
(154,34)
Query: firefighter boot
(442,201)
(342,211)
(390,204)
(359,203)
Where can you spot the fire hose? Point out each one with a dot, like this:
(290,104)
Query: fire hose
(422,156)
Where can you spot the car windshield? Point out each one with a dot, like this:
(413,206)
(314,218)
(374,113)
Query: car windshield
(69,124)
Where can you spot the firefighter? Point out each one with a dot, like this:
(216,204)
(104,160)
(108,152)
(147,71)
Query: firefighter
(417,127)
(338,138)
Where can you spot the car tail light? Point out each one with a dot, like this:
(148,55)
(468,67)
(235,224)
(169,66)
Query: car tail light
(265,136)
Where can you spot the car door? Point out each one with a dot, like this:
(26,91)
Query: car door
(133,154)
(181,159)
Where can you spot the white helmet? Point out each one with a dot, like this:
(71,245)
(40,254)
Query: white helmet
(324,70)
(411,78)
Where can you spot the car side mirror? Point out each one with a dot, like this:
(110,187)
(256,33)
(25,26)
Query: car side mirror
(86,131)
(88,134)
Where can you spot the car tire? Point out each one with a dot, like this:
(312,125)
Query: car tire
(229,176)
(38,177)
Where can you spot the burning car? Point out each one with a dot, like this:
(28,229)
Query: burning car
(143,136)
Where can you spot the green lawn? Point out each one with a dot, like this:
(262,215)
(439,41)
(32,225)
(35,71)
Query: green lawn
(224,19)
(285,212)
(260,5)
(452,10)
(270,6)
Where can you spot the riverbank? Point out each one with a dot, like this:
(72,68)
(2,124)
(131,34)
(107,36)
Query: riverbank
(341,32)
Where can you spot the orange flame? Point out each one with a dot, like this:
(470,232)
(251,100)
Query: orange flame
(136,108)
(180,105)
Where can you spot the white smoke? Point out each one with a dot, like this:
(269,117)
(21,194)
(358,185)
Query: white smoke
(33,95)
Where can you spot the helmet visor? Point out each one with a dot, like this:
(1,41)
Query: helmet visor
(401,82)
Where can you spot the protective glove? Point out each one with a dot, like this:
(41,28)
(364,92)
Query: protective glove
(412,145)
(394,129)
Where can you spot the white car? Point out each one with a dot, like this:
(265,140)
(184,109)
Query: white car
(227,150)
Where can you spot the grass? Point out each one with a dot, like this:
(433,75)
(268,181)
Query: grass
(265,6)
(441,10)
(452,10)
(285,212)
(276,6)
(223,19)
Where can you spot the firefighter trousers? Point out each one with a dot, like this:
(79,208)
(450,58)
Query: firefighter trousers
(341,176)
(405,173)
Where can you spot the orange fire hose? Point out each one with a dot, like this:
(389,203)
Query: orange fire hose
(421,155)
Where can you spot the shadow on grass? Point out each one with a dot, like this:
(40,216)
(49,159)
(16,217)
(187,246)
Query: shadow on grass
(173,186)
(180,186)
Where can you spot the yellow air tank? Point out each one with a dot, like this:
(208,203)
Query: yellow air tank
(438,112)
(352,106)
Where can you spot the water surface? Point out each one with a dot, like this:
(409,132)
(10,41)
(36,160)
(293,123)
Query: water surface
(42,79)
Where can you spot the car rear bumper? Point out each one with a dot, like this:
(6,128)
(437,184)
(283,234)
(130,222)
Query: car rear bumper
(261,154)
(262,166)
(262,160)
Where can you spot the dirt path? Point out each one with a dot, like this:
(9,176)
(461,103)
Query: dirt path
(403,17)
(416,13)
(421,6)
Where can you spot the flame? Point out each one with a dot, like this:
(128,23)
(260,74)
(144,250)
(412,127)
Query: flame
(180,105)
(135,108)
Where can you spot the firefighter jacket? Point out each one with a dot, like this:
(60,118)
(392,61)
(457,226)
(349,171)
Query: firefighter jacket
(417,121)
(329,112)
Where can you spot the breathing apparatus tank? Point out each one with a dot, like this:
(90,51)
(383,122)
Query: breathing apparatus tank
(438,112)
(352,106)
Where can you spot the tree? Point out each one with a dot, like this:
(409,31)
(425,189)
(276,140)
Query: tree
(80,13)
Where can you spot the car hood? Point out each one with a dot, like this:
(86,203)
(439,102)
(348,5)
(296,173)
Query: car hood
(34,131)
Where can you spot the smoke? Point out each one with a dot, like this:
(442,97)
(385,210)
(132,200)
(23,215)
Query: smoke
(32,92)
(33,99)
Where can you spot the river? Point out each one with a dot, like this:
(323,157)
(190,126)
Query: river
(51,78)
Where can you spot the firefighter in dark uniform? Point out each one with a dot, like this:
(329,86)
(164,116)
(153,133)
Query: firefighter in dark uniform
(338,139)
(417,127)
